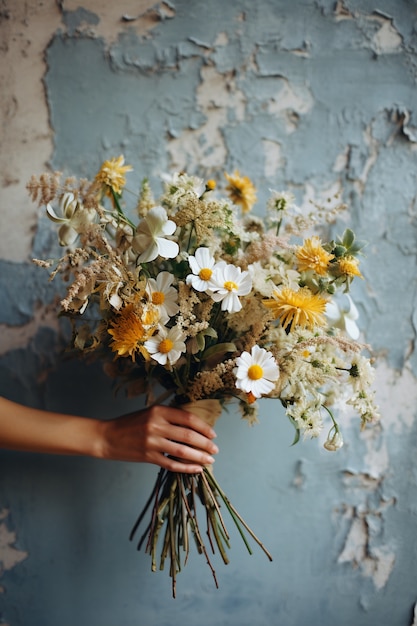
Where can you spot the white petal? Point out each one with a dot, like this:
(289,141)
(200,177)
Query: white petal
(353,312)
(167,249)
(150,254)
(352,328)
(204,258)
(53,216)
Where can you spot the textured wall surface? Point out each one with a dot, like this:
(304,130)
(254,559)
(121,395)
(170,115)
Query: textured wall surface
(316,97)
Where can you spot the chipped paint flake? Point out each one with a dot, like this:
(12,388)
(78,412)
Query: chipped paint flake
(10,556)
(387,40)
(290,102)
(273,157)
(363,548)
(217,96)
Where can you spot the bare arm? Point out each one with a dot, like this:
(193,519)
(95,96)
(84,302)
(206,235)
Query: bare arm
(146,436)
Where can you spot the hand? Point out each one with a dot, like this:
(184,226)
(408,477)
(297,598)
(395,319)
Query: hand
(171,438)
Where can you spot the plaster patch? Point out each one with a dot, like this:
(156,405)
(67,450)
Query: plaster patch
(221,40)
(25,131)
(290,102)
(341,161)
(273,157)
(10,556)
(397,397)
(374,561)
(15,337)
(327,199)
(341,12)
(387,40)
(217,97)
(360,162)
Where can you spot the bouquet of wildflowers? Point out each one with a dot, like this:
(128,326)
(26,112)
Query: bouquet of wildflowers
(198,302)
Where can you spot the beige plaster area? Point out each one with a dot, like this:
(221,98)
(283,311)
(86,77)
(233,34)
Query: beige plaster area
(26,138)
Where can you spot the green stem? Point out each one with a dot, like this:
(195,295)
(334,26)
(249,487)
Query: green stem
(120,211)
(236,517)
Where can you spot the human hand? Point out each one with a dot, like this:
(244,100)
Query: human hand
(171,438)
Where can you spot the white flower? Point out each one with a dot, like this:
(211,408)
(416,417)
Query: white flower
(163,295)
(166,346)
(74,220)
(344,318)
(256,372)
(227,284)
(184,183)
(202,264)
(149,240)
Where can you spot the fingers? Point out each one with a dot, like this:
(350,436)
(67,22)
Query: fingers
(188,420)
(187,453)
(173,465)
(189,440)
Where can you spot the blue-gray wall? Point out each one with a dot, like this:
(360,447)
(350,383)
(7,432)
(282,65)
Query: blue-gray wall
(315,97)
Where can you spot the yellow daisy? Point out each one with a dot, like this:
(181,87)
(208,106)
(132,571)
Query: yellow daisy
(112,175)
(350,266)
(297,308)
(241,190)
(128,333)
(312,256)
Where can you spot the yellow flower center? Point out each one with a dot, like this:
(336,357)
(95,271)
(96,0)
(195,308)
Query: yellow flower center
(230,285)
(158,297)
(255,372)
(165,346)
(205,273)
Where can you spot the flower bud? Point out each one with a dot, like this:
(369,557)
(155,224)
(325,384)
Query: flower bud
(334,442)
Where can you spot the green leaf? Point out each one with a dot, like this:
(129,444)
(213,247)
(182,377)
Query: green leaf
(219,348)
(348,238)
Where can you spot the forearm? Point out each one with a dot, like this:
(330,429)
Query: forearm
(34,430)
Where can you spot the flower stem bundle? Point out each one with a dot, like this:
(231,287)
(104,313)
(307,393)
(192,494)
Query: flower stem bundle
(174,504)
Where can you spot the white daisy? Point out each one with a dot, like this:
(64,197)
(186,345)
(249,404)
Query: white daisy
(256,372)
(167,346)
(163,295)
(149,240)
(202,265)
(227,283)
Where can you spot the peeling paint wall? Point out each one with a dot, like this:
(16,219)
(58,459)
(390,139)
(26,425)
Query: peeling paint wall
(315,97)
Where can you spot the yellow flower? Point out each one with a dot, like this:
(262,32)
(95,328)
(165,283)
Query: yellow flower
(241,190)
(312,256)
(112,175)
(129,333)
(350,266)
(297,308)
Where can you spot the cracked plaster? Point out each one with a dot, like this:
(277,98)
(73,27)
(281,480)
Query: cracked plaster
(230,92)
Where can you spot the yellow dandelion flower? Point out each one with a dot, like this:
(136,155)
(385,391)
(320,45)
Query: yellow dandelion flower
(128,333)
(312,256)
(297,308)
(241,190)
(350,266)
(112,175)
